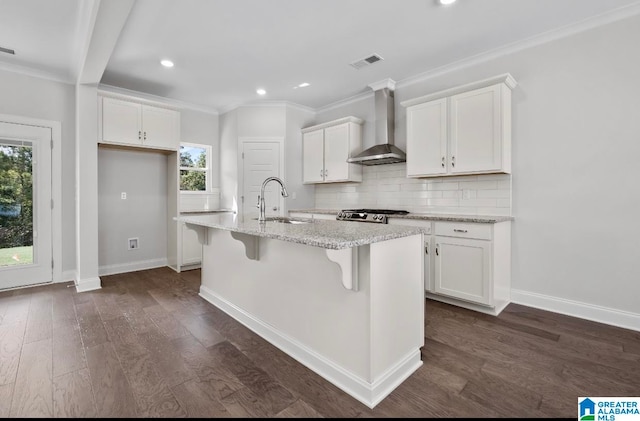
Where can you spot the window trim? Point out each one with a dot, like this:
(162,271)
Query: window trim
(207,170)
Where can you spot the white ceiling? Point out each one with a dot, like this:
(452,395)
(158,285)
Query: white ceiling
(224,49)
(45,35)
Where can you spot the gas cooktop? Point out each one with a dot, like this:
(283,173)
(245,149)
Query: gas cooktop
(368,215)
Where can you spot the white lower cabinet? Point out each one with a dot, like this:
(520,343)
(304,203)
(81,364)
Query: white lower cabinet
(466,264)
(463,269)
(428,263)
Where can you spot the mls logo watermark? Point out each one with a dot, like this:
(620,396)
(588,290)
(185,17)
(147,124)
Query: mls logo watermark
(608,409)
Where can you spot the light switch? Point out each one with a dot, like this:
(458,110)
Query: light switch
(123,195)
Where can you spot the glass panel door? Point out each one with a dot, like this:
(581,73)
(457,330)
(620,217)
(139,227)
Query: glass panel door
(25,205)
(16,203)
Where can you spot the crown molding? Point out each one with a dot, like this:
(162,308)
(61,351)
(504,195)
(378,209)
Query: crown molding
(553,35)
(174,103)
(265,104)
(384,83)
(505,78)
(344,102)
(38,73)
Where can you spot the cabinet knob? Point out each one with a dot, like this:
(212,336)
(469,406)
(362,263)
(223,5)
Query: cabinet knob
(321,173)
(139,135)
(145,135)
(453,161)
(326,173)
(437,249)
(443,162)
(426,248)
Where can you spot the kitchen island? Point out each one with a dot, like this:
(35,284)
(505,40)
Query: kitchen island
(345,299)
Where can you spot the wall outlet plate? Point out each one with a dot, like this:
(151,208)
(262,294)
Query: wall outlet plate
(133,243)
(123,195)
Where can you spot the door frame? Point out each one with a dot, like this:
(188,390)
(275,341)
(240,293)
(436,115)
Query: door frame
(240,186)
(56,185)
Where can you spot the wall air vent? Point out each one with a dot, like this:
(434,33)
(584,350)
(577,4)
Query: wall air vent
(7,50)
(358,64)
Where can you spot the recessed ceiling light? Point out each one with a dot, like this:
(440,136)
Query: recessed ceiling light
(261,91)
(166,63)
(446,2)
(303,85)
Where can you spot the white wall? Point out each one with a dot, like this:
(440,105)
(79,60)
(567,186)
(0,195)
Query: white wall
(297,118)
(143,176)
(202,128)
(229,160)
(199,127)
(27,96)
(576,143)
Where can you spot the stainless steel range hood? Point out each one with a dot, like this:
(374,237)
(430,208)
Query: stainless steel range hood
(384,151)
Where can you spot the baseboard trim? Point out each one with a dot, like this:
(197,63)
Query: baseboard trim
(586,311)
(369,394)
(89,284)
(67,276)
(131,267)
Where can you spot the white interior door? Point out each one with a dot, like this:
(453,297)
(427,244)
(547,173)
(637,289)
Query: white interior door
(25,205)
(261,160)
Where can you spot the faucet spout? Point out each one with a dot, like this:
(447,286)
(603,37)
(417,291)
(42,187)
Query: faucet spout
(283,192)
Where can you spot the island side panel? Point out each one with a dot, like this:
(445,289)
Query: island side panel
(297,291)
(397,304)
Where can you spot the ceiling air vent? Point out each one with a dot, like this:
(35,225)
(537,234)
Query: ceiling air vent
(358,64)
(7,50)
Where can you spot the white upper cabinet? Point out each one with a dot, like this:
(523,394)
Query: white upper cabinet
(464,130)
(313,156)
(121,121)
(134,124)
(326,148)
(427,138)
(160,127)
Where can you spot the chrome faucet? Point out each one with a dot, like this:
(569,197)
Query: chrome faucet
(261,205)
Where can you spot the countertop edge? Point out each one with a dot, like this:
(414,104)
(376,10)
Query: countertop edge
(479,219)
(328,244)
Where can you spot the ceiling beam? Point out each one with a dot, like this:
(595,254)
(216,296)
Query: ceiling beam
(105,20)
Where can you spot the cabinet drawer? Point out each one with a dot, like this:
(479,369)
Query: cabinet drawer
(464,230)
(425,225)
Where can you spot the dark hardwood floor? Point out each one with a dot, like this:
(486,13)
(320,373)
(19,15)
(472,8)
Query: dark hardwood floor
(146,345)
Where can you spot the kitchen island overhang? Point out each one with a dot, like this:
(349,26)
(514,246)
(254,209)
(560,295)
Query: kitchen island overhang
(343,298)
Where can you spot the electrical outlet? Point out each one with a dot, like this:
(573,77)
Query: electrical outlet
(133,243)
(123,195)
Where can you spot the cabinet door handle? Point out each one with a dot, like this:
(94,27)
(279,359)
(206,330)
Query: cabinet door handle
(145,135)
(326,173)
(453,161)
(426,248)
(139,134)
(275,208)
(459,230)
(321,173)
(437,249)
(443,162)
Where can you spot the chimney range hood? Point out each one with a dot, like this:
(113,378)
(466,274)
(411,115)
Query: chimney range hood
(384,151)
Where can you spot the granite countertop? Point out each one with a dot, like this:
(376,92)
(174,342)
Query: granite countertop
(448,217)
(334,235)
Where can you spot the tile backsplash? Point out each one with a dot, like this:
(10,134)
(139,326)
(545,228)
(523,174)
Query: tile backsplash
(386,186)
(200,201)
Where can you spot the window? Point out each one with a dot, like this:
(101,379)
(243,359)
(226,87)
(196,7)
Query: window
(195,167)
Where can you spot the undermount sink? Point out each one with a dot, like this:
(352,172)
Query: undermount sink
(287,220)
